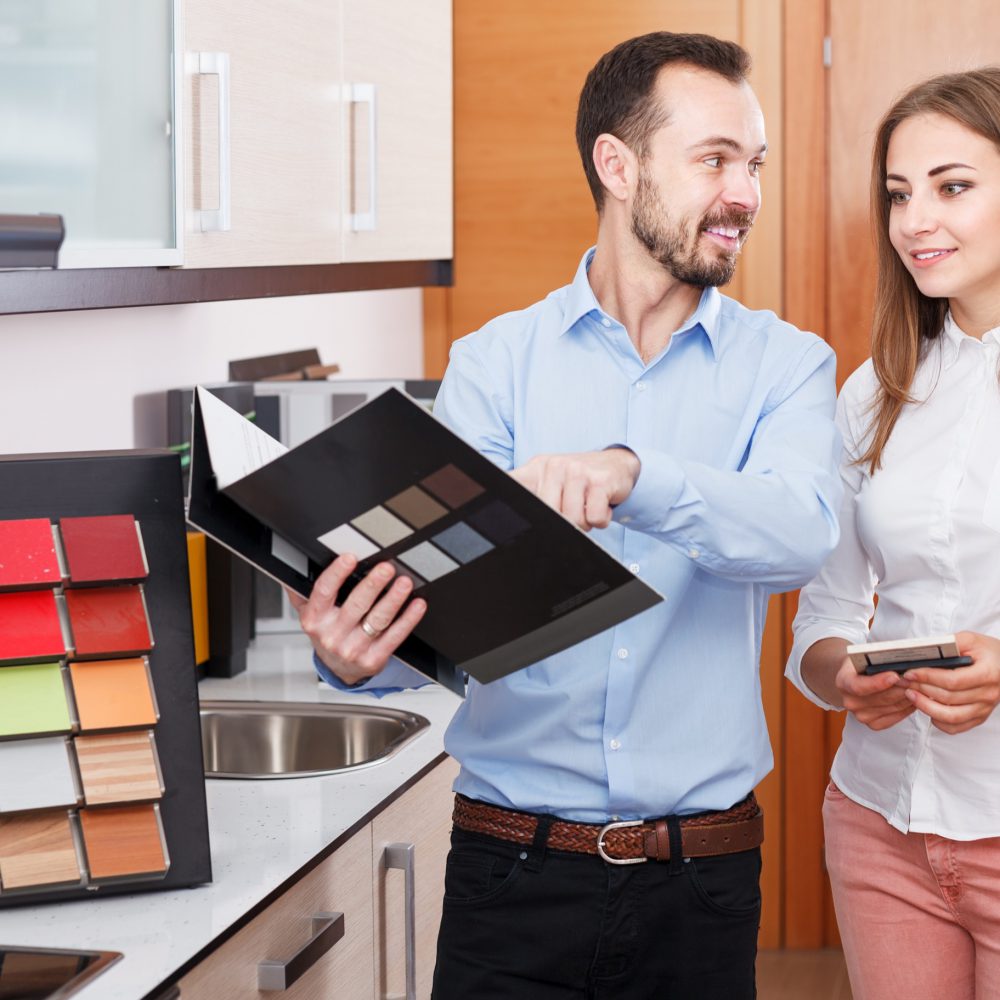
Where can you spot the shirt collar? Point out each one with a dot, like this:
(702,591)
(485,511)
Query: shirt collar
(952,336)
(581,301)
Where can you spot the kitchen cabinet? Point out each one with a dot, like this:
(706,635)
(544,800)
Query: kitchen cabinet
(390,914)
(263,132)
(87,125)
(317,132)
(339,884)
(398,136)
(410,841)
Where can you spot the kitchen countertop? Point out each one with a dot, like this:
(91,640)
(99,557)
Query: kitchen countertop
(262,833)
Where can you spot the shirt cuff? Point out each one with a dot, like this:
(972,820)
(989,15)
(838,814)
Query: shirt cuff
(805,638)
(658,488)
(394,678)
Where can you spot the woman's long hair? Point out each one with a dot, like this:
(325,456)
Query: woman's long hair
(904,321)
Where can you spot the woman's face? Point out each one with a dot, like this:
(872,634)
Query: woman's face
(943,184)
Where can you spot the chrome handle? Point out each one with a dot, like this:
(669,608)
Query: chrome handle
(273,974)
(217,220)
(401,856)
(364,93)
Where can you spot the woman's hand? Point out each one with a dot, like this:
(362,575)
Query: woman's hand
(357,639)
(960,698)
(879,701)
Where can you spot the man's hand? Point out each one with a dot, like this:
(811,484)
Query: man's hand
(961,698)
(357,639)
(879,701)
(583,486)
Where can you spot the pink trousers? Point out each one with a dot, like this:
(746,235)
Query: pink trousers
(919,915)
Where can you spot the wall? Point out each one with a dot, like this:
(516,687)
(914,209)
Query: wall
(68,381)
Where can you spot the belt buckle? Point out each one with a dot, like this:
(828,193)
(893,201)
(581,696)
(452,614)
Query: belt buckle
(617,825)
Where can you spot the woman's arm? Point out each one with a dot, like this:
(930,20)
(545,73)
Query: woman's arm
(879,701)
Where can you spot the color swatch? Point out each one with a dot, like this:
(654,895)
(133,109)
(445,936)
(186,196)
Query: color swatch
(452,486)
(462,543)
(37,849)
(498,522)
(428,561)
(123,841)
(416,507)
(112,694)
(345,539)
(103,549)
(29,626)
(35,774)
(28,554)
(118,767)
(108,621)
(33,700)
(381,526)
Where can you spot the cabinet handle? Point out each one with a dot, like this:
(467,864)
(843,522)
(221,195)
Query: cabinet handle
(364,93)
(217,220)
(273,975)
(402,856)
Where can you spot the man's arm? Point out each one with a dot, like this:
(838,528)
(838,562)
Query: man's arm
(354,642)
(775,520)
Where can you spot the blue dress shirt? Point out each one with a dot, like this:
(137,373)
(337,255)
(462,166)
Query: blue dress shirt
(737,497)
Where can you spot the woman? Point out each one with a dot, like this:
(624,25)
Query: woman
(912,816)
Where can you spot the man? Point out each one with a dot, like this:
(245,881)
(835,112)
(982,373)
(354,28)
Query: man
(697,437)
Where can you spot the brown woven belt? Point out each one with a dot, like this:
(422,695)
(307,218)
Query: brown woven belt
(623,842)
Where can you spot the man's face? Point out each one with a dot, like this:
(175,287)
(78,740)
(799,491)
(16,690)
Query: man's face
(704,164)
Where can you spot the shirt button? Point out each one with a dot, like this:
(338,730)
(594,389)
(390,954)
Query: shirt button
(623,654)
(605,321)
(633,567)
(640,386)
(615,745)
(625,518)
(693,553)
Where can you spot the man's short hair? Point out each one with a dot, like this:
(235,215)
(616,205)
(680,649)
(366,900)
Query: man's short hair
(617,96)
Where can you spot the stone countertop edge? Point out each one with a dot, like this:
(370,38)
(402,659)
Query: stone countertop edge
(264,836)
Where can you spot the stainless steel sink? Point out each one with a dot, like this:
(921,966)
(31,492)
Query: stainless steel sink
(274,739)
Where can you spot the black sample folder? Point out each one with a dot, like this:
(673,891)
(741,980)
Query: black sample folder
(507,579)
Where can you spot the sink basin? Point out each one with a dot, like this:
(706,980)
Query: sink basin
(280,739)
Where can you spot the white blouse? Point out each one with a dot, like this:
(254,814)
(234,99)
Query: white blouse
(924,532)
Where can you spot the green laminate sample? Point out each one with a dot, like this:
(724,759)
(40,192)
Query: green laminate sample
(33,700)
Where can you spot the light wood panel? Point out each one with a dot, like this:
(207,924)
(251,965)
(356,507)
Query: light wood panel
(37,849)
(119,767)
(341,883)
(878,51)
(286,132)
(422,817)
(404,49)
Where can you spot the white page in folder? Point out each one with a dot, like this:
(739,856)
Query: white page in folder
(236,446)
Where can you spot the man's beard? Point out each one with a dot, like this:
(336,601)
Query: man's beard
(675,247)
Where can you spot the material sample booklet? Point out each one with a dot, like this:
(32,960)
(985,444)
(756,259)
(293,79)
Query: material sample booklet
(906,654)
(507,579)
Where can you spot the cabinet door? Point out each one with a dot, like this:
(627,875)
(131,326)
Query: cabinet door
(280,170)
(341,883)
(398,130)
(416,827)
(87,125)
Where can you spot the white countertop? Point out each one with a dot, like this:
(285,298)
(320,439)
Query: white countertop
(261,833)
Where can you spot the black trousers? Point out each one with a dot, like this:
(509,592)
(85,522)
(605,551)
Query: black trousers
(535,924)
